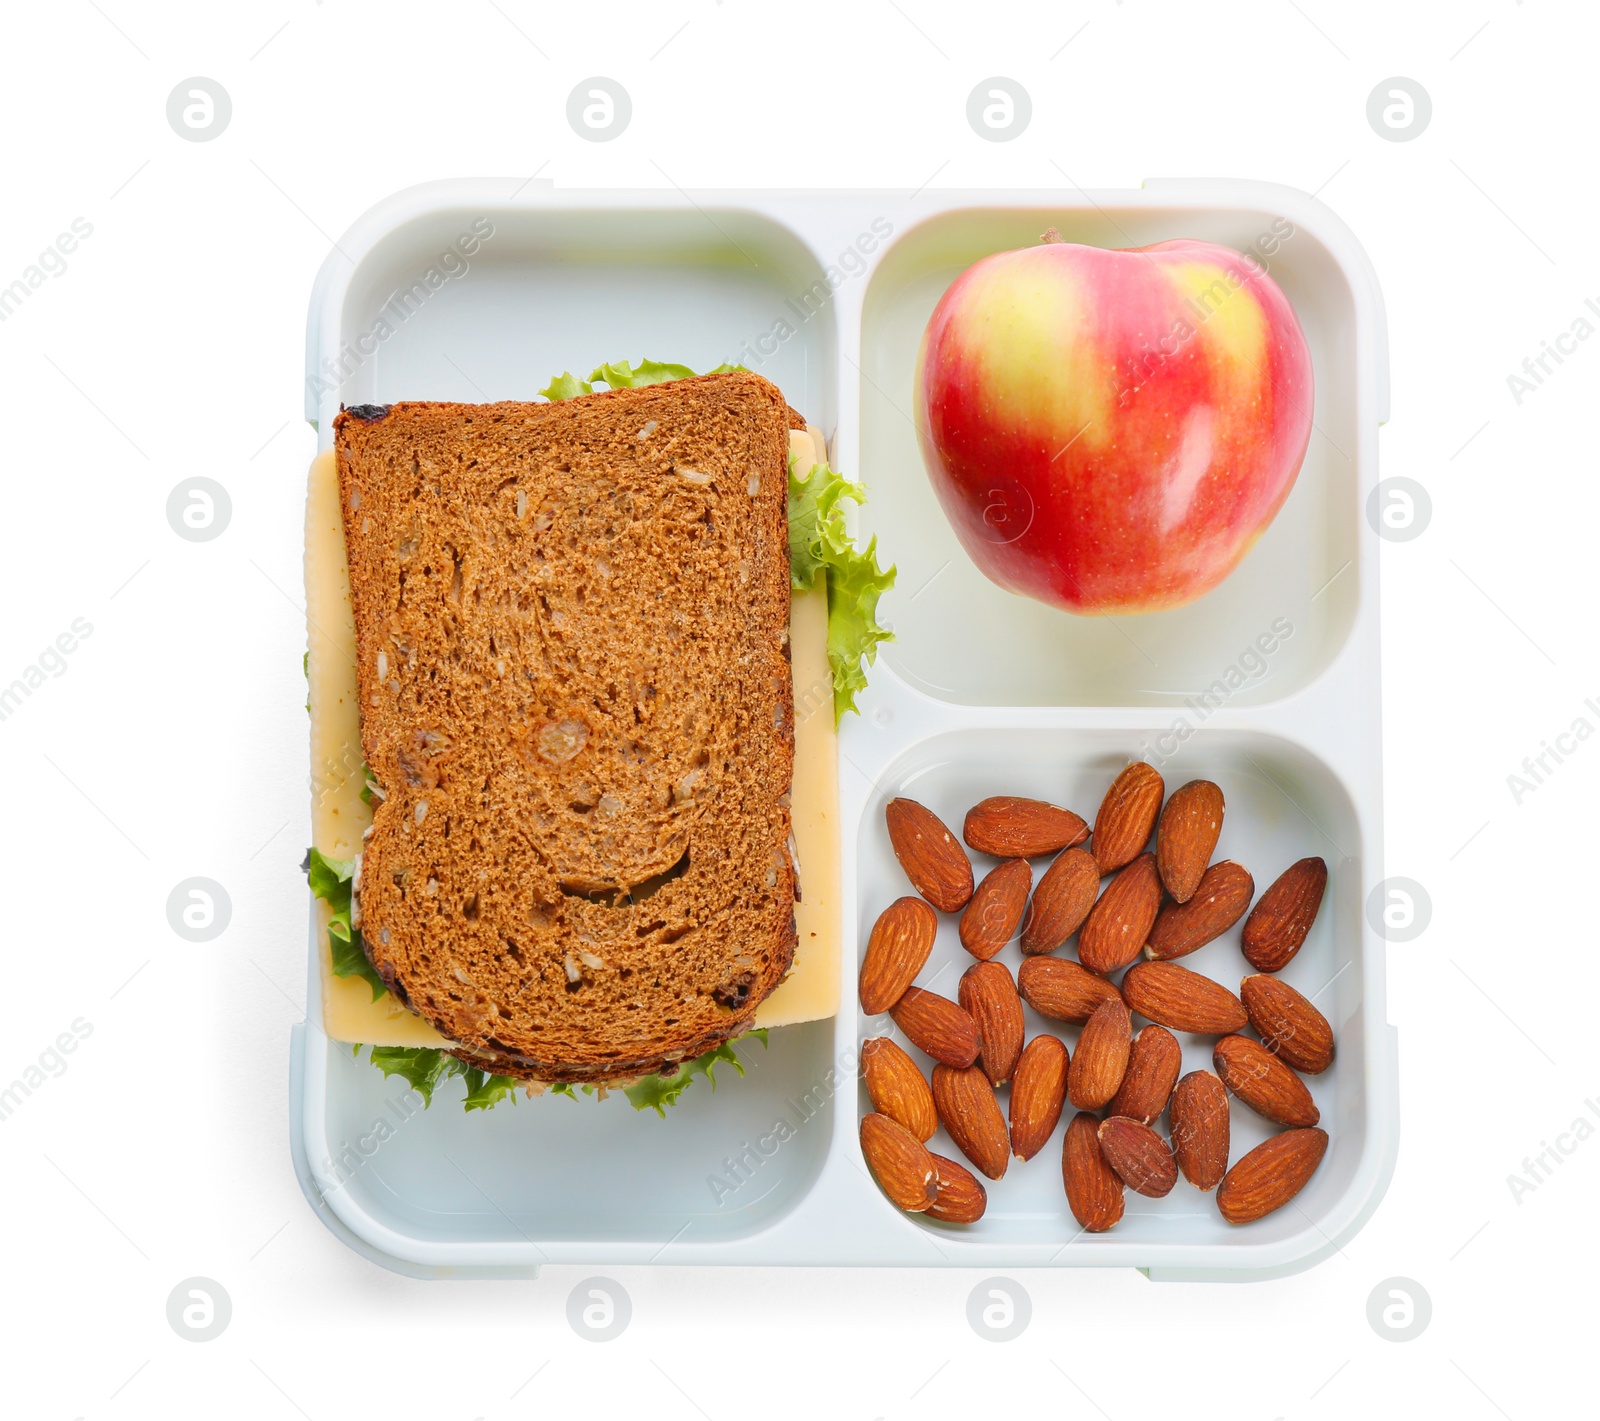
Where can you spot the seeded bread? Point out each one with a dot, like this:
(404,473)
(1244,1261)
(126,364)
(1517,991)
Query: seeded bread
(572,644)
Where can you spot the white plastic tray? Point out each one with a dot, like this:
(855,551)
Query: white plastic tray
(982,693)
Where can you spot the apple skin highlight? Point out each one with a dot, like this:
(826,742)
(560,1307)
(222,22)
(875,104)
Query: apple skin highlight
(1111,431)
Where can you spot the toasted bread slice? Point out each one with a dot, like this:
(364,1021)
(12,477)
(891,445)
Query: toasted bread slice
(571,628)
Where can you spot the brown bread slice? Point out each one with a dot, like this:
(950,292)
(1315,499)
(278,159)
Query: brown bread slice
(572,643)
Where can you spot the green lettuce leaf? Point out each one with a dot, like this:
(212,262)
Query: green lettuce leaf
(331,880)
(566,386)
(819,546)
(619,375)
(657,1092)
(485,1091)
(423,1067)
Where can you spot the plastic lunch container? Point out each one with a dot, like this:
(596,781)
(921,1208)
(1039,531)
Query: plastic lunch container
(982,693)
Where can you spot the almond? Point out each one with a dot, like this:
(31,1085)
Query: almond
(896,951)
(1063,989)
(1215,906)
(1288,1024)
(936,1025)
(897,1088)
(1154,1060)
(971,1117)
(1119,924)
(1276,928)
(1012,828)
(1271,1175)
(901,1163)
(961,1198)
(1061,902)
(1263,1082)
(1094,1190)
(1140,1157)
(1183,1000)
(990,919)
(989,996)
(1038,1090)
(933,860)
(1187,834)
(1101,1059)
(1127,815)
(1200,1129)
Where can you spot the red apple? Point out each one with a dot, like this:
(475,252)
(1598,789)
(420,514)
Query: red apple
(1111,431)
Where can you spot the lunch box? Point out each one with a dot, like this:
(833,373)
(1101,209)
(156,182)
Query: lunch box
(481,290)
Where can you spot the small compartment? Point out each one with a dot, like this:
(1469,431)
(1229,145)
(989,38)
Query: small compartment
(1294,594)
(1283,804)
(561,1171)
(481,304)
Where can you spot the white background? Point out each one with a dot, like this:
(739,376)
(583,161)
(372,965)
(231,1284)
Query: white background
(173,743)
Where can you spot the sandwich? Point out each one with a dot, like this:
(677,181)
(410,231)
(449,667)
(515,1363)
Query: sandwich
(573,760)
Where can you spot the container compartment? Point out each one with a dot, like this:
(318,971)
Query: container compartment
(1015,651)
(1283,804)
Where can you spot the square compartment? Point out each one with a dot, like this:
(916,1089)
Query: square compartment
(1302,570)
(1283,804)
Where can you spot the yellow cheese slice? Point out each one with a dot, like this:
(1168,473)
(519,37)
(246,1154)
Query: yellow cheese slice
(338,817)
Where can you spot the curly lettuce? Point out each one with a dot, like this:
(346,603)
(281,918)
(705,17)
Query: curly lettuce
(819,544)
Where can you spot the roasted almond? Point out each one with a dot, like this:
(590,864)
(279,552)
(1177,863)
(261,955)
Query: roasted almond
(896,951)
(1119,924)
(1063,989)
(1094,1189)
(1174,996)
(901,1163)
(961,1197)
(1013,828)
(1279,923)
(897,1088)
(1127,816)
(1038,1090)
(1190,824)
(1140,1157)
(1263,1082)
(1061,902)
(1215,906)
(1287,1023)
(1271,1175)
(1154,1060)
(936,1025)
(1101,1060)
(1200,1129)
(989,996)
(930,854)
(971,1117)
(990,919)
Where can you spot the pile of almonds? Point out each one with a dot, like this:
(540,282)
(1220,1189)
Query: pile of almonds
(1161,906)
